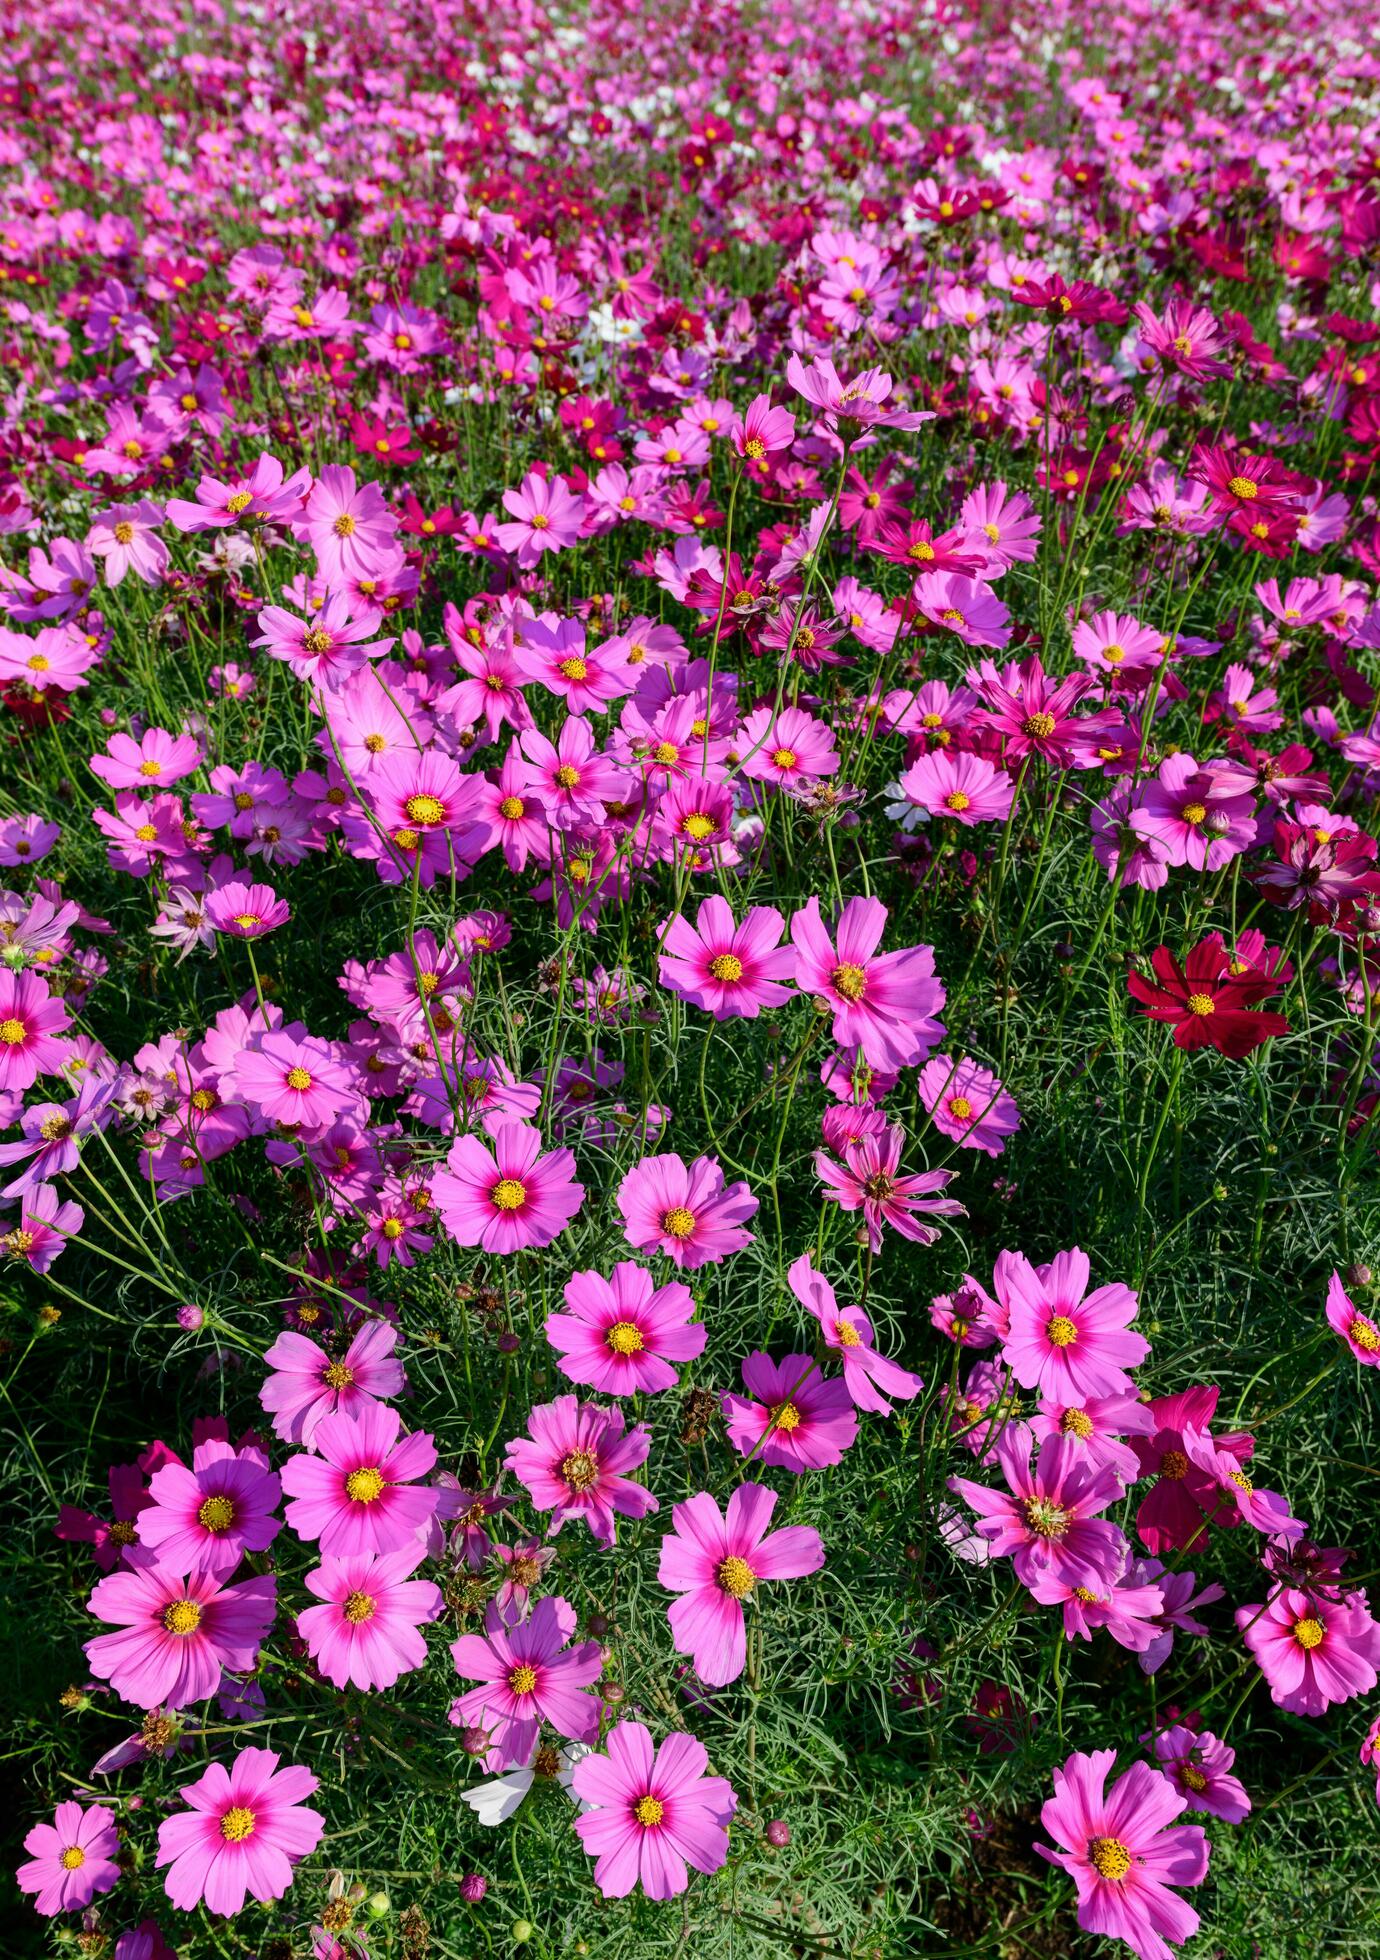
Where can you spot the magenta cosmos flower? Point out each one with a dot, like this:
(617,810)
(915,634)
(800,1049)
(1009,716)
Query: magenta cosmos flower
(868,1376)
(1312,1650)
(32,1022)
(622,1333)
(690,1214)
(960,785)
(884,1004)
(510,1196)
(308,1384)
(206,1518)
(1119,1849)
(1200,1767)
(178,1633)
(294,1080)
(242,1833)
(1173,1513)
(792,1416)
(575,1461)
(1062,1340)
(546,517)
(762,431)
(725,968)
(1358,1330)
(652,1814)
(967,1103)
(419,791)
(527,1676)
(868,1181)
(72,1860)
(360,1493)
(1047,1519)
(715,1560)
(365,1634)
(246,911)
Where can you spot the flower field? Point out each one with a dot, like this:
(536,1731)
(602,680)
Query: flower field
(689,980)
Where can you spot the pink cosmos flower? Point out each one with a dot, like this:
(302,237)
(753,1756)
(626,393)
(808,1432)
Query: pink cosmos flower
(715,1560)
(861,401)
(792,1417)
(126,538)
(110,1541)
(205,1519)
(966,607)
(786,747)
(1369,1753)
(246,911)
(867,1181)
(1173,1514)
(421,790)
(966,1102)
(1096,1426)
(294,1080)
(653,1813)
(622,1333)
(32,1022)
(347,524)
(868,1376)
(1266,1510)
(366,1634)
(546,517)
(553,651)
(690,1214)
(958,784)
(1047,1519)
(884,1004)
(153,762)
(1199,1766)
(359,1493)
(1128,1606)
(1064,1341)
(726,968)
(46,1222)
(510,1196)
(1202,817)
(1358,1330)
(72,1860)
(308,1384)
(527,1676)
(762,431)
(179,1633)
(1313,1650)
(243,1830)
(575,1461)
(1119,1849)
(572,779)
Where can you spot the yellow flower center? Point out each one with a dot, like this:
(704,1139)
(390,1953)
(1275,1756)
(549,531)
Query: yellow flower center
(1243,487)
(649,1811)
(1364,1334)
(1174,1465)
(338,1375)
(237,1824)
(573,668)
(726,966)
(12,1032)
(182,1617)
(425,809)
(508,1194)
(522,1680)
(849,980)
(1040,725)
(847,1334)
(957,801)
(784,759)
(240,501)
(1194,1778)
(1061,1330)
(787,1417)
(580,1470)
(317,640)
(678,1223)
(567,776)
(124,532)
(359,1607)
(736,1577)
(146,833)
(1076,1422)
(73,1858)
(1193,812)
(298,1078)
(1309,1632)
(960,1108)
(246,921)
(344,525)
(1201,1004)
(665,753)
(511,808)
(698,826)
(364,1486)
(624,1338)
(216,1514)
(1110,1857)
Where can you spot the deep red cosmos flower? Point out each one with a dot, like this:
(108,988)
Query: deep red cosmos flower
(1209,1005)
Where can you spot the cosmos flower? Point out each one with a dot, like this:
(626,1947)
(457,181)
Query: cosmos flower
(1313,1650)
(715,1561)
(1360,1333)
(204,1519)
(686,1211)
(507,1197)
(307,1383)
(527,1675)
(792,1417)
(1199,1764)
(1124,1852)
(1047,1520)
(575,1461)
(359,1492)
(869,1180)
(622,1333)
(729,969)
(179,1632)
(1062,1340)
(868,1376)
(884,1005)
(967,1103)
(242,1832)
(654,1814)
(366,1634)
(72,1860)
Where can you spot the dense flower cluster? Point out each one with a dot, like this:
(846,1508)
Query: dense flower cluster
(621,590)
